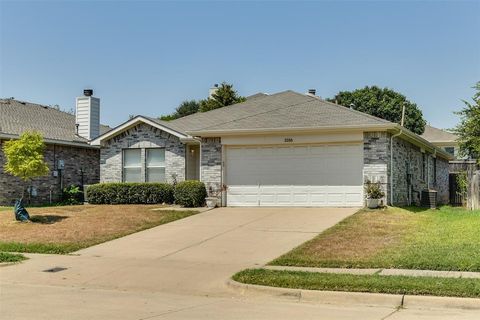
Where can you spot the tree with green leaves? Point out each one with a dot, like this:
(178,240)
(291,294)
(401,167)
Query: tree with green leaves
(224,96)
(468,130)
(25,157)
(186,108)
(384,103)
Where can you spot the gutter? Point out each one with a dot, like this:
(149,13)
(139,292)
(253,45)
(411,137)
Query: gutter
(86,145)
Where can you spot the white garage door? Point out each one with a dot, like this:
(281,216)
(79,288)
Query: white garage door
(312,175)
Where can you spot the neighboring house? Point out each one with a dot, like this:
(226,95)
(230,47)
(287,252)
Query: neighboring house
(443,139)
(70,157)
(284,149)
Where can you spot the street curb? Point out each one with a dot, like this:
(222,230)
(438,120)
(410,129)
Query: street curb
(326,297)
(357,298)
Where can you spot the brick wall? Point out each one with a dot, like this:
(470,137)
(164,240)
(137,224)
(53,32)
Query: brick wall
(407,158)
(142,136)
(211,164)
(81,166)
(376,164)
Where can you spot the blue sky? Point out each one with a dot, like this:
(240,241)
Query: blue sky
(147,57)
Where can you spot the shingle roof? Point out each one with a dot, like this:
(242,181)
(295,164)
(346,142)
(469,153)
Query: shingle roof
(286,109)
(436,135)
(18,116)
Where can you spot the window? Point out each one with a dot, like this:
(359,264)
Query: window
(450,150)
(132,165)
(155,165)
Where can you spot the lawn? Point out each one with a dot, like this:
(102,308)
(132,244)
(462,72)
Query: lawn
(362,283)
(408,238)
(11,257)
(70,228)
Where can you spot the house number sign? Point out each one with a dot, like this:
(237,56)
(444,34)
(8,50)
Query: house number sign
(288,140)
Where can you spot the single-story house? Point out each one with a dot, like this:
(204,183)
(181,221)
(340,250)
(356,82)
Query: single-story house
(283,149)
(443,139)
(69,155)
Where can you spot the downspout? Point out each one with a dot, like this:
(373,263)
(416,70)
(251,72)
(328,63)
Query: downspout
(391,165)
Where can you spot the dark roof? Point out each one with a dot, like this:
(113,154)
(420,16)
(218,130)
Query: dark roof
(436,135)
(287,109)
(17,117)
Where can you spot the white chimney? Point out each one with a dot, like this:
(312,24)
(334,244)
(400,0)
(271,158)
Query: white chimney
(87,115)
(212,90)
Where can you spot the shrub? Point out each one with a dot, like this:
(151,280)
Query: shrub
(374,190)
(72,195)
(130,193)
(190,193)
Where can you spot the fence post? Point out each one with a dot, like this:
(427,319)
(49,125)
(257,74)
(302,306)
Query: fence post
(474,198)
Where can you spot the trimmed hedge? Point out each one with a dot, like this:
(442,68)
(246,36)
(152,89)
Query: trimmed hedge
(190,193)
(130,193)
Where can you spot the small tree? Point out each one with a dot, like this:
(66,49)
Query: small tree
(384,103)
(468,130)
(25,157)
(224,96)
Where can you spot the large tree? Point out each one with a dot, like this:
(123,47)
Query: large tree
(384,103)
(468,130)
(25,157)
(224,96)
(184,109)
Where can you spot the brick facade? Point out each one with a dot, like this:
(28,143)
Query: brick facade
(81,167)
(211,164)
(142,136)
(411,174)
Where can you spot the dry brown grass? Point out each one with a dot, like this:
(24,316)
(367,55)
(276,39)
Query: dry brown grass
(80,226)
(358,239)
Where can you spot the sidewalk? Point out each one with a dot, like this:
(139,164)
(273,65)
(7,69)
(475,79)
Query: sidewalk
(383,272)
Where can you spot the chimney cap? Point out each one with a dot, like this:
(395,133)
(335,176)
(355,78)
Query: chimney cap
(88,92)
(312,91)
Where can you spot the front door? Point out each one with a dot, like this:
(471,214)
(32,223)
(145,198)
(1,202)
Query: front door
(193,162)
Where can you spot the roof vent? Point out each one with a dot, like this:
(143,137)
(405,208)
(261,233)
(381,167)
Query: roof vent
(88,92)
(312,92)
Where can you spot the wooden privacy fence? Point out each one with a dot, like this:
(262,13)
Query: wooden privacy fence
(473,198)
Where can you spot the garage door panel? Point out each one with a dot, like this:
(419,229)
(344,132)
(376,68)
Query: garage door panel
(295,175)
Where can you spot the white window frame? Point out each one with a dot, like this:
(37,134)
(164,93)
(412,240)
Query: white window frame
(155,166)
(130,167)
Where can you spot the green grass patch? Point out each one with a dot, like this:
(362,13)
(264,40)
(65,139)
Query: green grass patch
(408,238)
(453,287)
(5,208)
(11,257)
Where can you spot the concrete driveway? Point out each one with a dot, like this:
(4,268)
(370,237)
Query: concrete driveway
(175,271)
(189,256)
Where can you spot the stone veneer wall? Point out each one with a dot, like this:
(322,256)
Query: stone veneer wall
(81,166)
(211,164)
(376,164)
(142,136)
(407,155)
(377,168)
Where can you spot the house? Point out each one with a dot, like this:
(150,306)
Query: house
(69,155)
(443,139)
(283,149)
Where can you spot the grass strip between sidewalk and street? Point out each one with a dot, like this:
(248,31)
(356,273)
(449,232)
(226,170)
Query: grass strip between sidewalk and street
(11,257)
(452,287)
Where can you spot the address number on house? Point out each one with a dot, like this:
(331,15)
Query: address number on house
(288,140)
